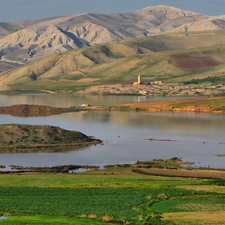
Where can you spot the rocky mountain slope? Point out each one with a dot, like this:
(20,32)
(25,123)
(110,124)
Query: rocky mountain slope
(30,40)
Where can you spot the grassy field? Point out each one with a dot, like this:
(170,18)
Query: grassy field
(111,196)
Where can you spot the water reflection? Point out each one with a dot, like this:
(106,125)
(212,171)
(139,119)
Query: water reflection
(70,100)
(197,126)
(196,137)
(65,100)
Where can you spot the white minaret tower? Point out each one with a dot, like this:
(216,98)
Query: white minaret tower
(139,79)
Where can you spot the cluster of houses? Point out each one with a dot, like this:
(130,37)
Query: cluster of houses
(142,92)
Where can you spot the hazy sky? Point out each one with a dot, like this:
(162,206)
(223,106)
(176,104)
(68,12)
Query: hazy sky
(33,9)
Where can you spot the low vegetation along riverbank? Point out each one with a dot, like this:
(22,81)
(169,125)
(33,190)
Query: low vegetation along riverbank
(119,194)
(204,104)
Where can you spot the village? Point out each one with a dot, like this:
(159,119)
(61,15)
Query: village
(157,88)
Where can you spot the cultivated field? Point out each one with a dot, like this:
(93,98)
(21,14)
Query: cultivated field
(116,195)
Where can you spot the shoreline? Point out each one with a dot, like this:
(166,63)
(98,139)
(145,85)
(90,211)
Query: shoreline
(214,105)
(39,146)
(157,167)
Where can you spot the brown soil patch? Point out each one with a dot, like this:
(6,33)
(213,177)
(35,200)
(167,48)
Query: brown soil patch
(92,216)
(107,218)
(200,217)
(194,174)
(194,62)
(211,188)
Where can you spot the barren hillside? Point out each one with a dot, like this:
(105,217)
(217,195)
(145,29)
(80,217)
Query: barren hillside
(43,37)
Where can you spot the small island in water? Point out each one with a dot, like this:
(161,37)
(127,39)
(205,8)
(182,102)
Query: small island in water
(17,136)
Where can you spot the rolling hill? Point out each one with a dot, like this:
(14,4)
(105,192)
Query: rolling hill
(171,57)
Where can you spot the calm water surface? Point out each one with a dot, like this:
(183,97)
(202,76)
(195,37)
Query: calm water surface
(126,135)
(67,101)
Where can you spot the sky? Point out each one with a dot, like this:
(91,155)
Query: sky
(11,10)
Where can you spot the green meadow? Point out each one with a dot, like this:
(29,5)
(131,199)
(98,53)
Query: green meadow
(113,196)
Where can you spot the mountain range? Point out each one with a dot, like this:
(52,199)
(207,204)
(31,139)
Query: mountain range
(25,41)
(72,52)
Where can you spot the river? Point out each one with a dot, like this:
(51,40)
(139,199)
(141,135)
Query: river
(127,136)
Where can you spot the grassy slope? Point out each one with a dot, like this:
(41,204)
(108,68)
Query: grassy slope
(86,198)
(121,62)
(22,136)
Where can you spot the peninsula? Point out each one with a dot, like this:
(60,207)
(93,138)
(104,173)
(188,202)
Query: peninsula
(16,136)
(25,110)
